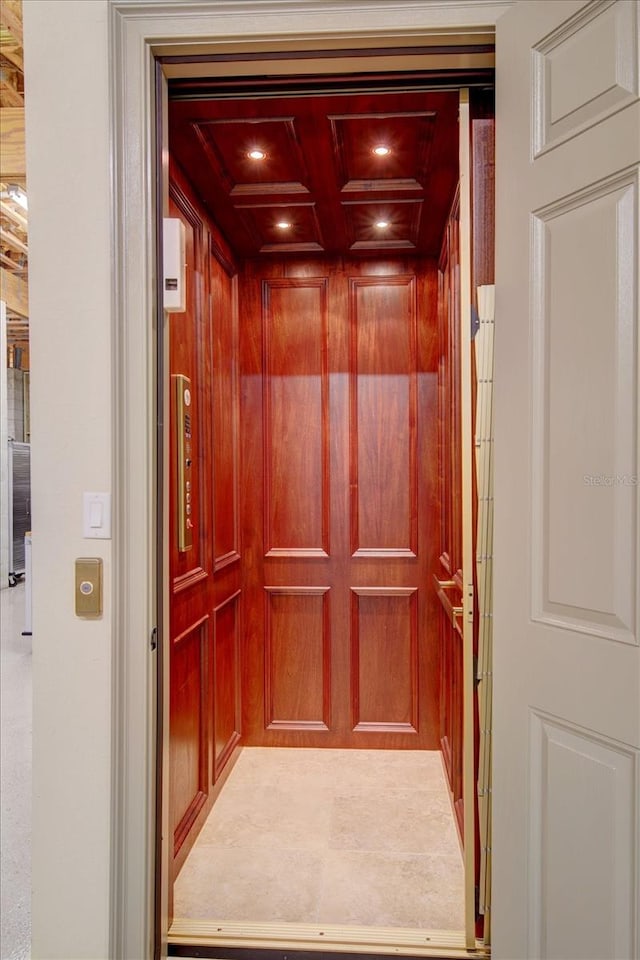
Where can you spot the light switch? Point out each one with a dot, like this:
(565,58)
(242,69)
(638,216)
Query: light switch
(97,516)
(89,587)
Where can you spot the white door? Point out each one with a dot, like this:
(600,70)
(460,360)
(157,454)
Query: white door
(567,663)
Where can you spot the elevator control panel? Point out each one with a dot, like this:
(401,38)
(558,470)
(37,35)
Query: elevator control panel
(184,460)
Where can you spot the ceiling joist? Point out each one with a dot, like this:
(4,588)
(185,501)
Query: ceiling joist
(11,85)
(13,220)
(6,210)
(11,19)
(11,52)
(9,239)
(13,290)
(12,158)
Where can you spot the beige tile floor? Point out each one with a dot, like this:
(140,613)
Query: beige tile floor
(339,837)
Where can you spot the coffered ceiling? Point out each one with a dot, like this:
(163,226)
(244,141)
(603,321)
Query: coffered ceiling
(359,174)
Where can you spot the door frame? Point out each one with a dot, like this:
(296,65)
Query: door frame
(140,32)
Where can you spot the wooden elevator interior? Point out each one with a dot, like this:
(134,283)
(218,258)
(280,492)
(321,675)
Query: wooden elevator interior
(320,348)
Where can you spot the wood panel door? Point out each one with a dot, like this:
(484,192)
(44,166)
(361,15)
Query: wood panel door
(339,414)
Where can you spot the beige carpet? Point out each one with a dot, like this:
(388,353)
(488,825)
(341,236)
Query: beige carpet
(339,837)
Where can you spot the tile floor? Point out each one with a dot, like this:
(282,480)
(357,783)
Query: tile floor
(15,778)
(339,837)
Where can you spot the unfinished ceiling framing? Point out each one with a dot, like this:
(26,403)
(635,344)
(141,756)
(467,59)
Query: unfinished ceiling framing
(14,250)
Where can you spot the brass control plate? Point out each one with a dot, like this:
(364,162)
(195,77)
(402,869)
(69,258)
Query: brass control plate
(89,587)
(184,459)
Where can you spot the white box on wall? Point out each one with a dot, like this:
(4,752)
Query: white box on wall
(173,257)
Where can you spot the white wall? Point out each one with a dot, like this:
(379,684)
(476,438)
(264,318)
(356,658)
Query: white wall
(67,116)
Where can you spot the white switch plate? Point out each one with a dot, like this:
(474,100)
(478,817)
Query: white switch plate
(97,516)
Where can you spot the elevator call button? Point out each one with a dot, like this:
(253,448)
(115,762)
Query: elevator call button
(89,587)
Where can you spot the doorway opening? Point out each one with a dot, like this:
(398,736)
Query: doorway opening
(316,532)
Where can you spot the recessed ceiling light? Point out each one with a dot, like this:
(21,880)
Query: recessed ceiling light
(382,224)
(256,154)
(382,150)
(283,225)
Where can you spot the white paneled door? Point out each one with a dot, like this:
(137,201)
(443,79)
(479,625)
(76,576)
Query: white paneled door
(567,662)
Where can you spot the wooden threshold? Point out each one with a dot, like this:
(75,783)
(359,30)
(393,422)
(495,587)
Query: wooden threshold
(221,939)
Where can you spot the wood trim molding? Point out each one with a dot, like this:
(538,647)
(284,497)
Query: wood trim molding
(269,286)
(326,937)
(409,725)
(409,549)
(322,723)
(220,760)
(189,579)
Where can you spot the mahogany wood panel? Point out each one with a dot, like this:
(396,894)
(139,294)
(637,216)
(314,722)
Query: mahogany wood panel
(297,658)
(349,367)
(319,171)
(204,581)
(482,189)
(296,411)
(409,135)
(384,510)
(189,346)
(225,418)
(399,299)
(450,415)
(227,143)
(188,741)
(452,714)
(448,568)
(402,216)
(304,233)
(225,687)
(385,659)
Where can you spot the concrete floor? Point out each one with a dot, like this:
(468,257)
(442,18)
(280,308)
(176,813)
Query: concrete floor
(15,778)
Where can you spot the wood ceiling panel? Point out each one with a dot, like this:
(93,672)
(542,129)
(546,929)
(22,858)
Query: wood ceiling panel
(228,144)
(408,138)
(266,223)
(319,170)
(390,225)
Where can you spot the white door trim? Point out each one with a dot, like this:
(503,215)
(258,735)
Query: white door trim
(140,30)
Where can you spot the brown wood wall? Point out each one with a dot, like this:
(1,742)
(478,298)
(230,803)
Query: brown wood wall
(205,614)
(339,508)
(449,565)
(326,490)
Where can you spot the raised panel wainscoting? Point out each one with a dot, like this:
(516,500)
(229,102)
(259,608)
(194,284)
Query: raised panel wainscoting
(205,617)
(339,492)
